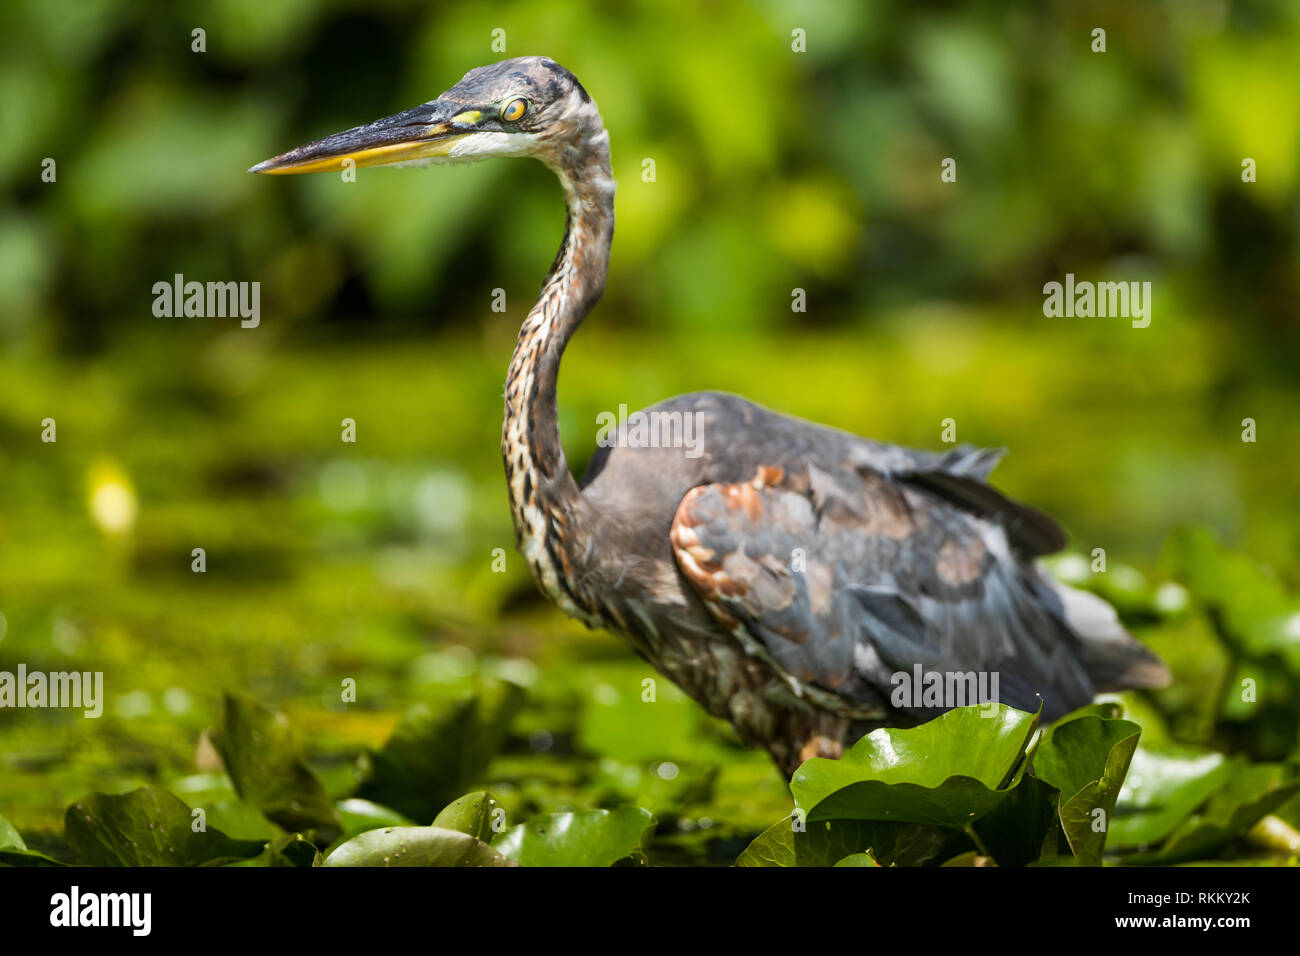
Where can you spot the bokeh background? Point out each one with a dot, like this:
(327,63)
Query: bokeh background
(774,170)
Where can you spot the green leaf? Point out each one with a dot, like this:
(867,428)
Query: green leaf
(147,827)
(262,757)
(858,859)
(215,793)
(1105,709)
(948,772)
(470,814)
(1073,753)
(435,756)
(1255,611)
(1024,826)
(14,852)
(14,857)
(415,846)
(1086,759)
(1160,791)
(10,838)
(825,842)
(358,816)
(293,849)
(578,838)
(1250,793)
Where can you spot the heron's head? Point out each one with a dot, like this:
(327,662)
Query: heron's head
(526,106)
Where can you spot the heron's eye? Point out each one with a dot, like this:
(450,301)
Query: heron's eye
(514,110)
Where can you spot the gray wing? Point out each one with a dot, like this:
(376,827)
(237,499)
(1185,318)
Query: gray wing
(847,579)
(960,477)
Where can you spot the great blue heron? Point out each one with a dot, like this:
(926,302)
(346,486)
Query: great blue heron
(783,573)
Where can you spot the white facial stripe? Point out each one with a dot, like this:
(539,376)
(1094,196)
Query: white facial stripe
(491,144)
(476,146)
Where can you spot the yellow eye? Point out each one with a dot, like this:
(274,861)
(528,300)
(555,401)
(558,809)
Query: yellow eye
(514,110)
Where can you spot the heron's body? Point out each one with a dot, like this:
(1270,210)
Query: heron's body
(782,573)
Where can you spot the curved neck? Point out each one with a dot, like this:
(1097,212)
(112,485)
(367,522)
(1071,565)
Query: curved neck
(543,494)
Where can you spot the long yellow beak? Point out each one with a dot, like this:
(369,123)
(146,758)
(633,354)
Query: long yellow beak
(423,133)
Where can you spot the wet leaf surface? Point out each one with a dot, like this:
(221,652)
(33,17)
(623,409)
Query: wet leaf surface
(948,772)
(147,827)
(415,846)
(578,838)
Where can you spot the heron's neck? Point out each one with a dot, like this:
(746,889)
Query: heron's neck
(543,494)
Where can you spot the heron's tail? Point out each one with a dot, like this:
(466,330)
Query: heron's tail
(1114,658)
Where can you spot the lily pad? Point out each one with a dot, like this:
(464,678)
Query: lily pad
(1161,789)
(215,793)
(147,827)
(415,846)
(858,859)
(473,813)
(10,838)
(1105,709)
(578,838)
(1086,759)
(358,816)
(434,756)
(258,749)
(14,852)
(1024,827)
(827,842)
(1256,613)
(293,849)
(1251,792)
(948,772)
(15,857)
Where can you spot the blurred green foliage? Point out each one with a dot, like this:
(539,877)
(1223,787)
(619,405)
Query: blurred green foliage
(774,170)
